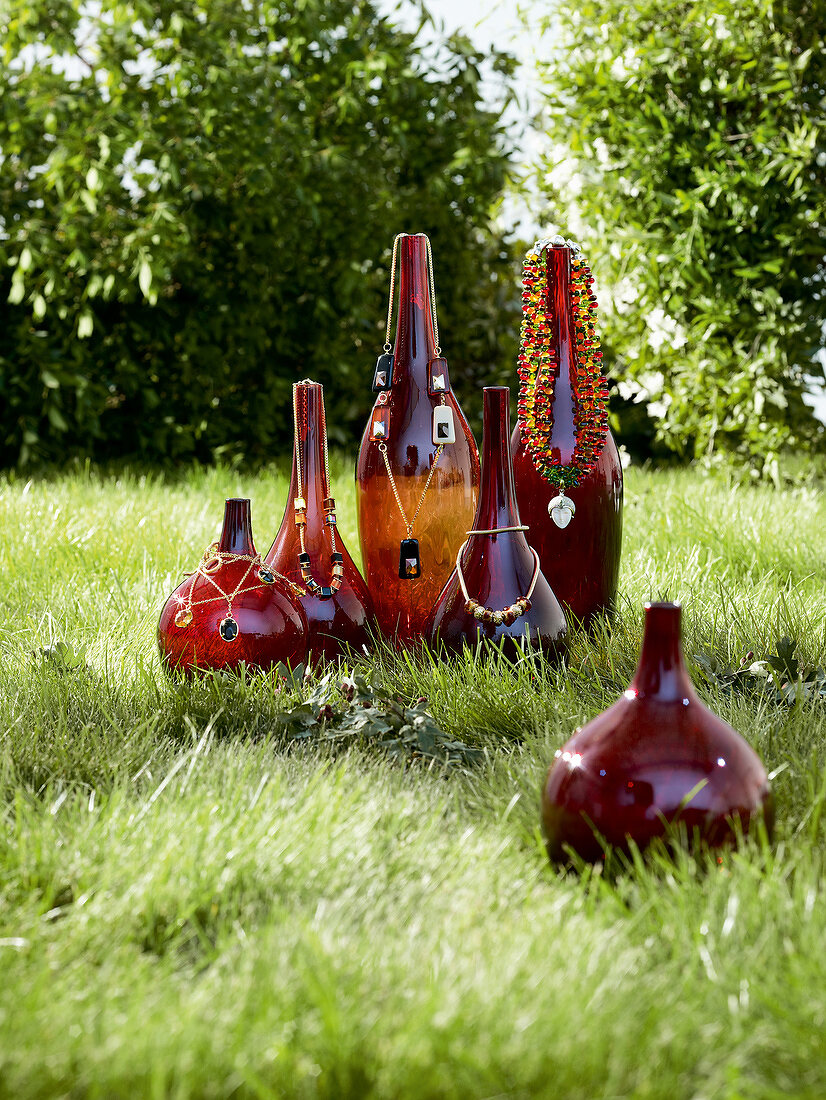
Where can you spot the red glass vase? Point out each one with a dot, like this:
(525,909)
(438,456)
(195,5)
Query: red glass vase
(656,757)
(402,421)
(339,615)
(232,609)
(583,558)
(499,569)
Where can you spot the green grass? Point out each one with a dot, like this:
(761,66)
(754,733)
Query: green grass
(189,907)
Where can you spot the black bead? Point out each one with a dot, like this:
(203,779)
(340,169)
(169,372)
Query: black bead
(337,559)
(383,377)
(304,561)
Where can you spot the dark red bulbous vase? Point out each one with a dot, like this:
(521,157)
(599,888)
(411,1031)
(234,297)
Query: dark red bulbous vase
(657,757)
(583,558)
(498,569)
(404,606)
(342,619)
(196,631)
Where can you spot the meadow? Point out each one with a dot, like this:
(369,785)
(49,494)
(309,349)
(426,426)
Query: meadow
(195,904)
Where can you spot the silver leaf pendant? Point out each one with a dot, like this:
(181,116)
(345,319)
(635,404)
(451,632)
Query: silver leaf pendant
(562,510)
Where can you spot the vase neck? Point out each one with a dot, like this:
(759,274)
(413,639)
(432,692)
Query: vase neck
(560,313)
(415,340)
(236,534)
(661,671)
(497,497)
(309,449)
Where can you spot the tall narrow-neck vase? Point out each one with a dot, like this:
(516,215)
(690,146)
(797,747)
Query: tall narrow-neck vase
(232,610)
(497,565)
(405,414)
(583,558)
(339,615)
(658,756)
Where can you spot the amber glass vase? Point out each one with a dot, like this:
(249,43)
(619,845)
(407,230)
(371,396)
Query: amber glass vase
(583,558)
(404,606)
(341,617)
(204,625)
(658,756)
(498,569)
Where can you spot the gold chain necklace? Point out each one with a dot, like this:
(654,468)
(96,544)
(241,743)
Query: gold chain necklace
(210,563)
(328,504)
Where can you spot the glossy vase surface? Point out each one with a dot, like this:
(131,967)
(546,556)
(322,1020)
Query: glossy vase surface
(583,558)
(404,606)
(498,568)
(343,618)
(656,756)
(271,626)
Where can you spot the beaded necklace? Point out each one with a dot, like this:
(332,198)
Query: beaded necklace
(506,615)
(210,563)
(328,503)
(536,361)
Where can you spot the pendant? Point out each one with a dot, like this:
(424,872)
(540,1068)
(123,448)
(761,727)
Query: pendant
(383,378)
(380,425)
(410,564)
(438,380)
(265,575)
(183,618)
(443,429)
(562,510)
(228,629)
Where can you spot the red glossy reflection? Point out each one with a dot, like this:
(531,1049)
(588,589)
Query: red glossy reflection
(343,618)
(498,568)
(270,625)
(583,558)
(658,755)
(404,607)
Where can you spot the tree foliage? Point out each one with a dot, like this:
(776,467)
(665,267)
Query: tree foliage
(690,137)
(197,202)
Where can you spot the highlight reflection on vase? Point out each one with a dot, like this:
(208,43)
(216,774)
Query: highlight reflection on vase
(340,620)
(583,558)
(225,615)
(499,570)
(403,605)
(656,757)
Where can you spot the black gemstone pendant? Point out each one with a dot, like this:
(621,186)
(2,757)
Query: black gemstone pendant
(410,565)
(383,378)
(228,629)
(266,576)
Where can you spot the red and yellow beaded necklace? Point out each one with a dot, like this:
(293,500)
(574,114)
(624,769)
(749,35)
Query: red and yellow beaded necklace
(537,356)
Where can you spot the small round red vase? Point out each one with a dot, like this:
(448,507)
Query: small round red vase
(342,619)
(271,626)
(583,558)
(498,568)
(657,757)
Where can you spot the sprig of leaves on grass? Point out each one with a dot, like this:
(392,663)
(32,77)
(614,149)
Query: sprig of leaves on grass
(780,676)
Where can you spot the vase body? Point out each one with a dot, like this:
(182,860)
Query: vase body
(271,627)
(656,757)
(341,620)
(498,568)
(583,558)
(404,606)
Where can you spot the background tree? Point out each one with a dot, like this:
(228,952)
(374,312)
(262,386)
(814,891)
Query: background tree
(197,202)
(691,138)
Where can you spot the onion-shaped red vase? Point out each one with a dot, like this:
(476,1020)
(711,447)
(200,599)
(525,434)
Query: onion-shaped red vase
(337,605)
(506,598)
(583,558)
(401,427)
(232,610)
(655,758)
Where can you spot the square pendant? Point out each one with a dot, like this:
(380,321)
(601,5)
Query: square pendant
(410,565)
(438,379)
(380,425)
(383,377)
(443,428)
